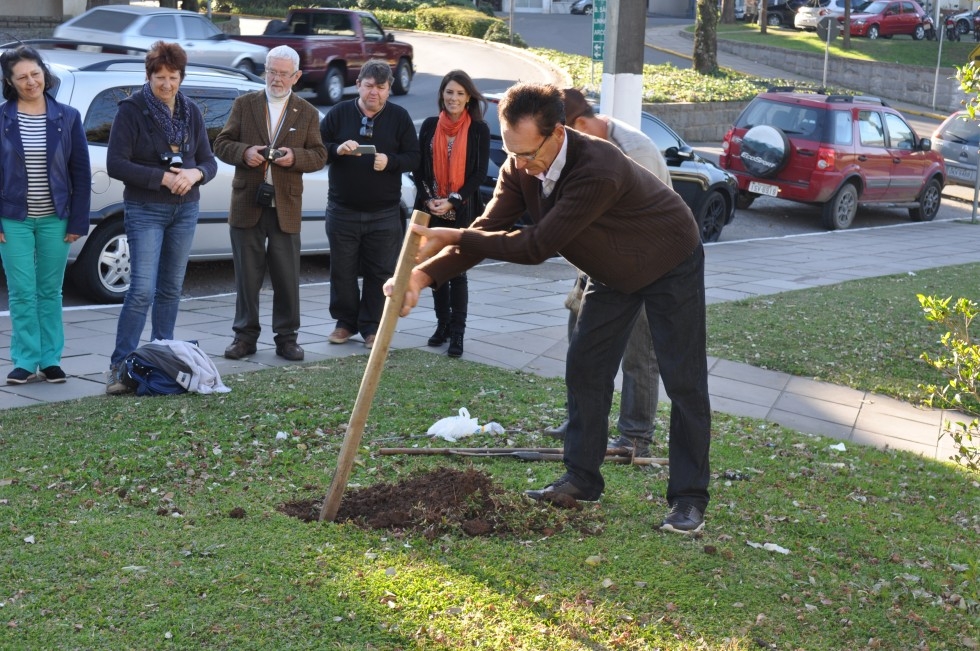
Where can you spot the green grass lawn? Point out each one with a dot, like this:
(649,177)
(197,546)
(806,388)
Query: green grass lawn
(118,531)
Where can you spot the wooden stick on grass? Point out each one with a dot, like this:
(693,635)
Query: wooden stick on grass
(372,373)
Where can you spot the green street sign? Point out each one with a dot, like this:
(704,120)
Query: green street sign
(598,29)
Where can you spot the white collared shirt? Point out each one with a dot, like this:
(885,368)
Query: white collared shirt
(550,177)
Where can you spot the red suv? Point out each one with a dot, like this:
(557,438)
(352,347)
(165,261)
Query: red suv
(832,150)
(887,18)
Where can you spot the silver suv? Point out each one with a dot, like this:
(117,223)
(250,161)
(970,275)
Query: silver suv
(94,84)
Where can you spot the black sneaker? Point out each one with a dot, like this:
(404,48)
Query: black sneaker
(563,486)
(53,374)
(684,518)
(557,432)
(634,447)
(19,376)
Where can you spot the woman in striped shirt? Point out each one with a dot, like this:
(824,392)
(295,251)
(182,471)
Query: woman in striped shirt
(45,185)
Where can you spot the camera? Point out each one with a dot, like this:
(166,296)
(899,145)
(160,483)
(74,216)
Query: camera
(265,194)
(271,154)
(171,159)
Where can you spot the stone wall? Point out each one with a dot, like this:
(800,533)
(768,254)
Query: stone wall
(698,123)
(910,84)
(13,28)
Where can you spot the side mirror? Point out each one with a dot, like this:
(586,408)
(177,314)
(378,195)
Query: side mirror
(389,37)
(925,144)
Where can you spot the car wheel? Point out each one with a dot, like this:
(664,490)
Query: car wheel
(929,202)
(102,270)
(963,26)
(838,213)
(588,10)
(873,32)
(403,78)
(773,20)
(331,88)
(711,217)
(919,33)
(744,200)
(246,65)
(765,150)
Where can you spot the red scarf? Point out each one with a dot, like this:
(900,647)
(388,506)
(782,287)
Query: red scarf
(450,171)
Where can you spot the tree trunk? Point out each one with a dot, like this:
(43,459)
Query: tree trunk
(706,38)
(728,12)
(763,16)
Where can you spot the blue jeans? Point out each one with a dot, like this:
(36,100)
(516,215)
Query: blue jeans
(34,258)
(365,243)
(675,310)
(160,237)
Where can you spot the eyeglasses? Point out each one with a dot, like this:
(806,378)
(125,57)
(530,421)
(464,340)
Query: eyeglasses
(530,157)
(367,127)
(275,74)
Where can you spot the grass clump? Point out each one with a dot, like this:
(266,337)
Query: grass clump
(143,523)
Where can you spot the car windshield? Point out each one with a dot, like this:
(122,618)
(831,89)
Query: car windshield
(962,130)
(792,119)
(106,20)
(874,8)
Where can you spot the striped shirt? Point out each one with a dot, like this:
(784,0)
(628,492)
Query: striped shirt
(33,129)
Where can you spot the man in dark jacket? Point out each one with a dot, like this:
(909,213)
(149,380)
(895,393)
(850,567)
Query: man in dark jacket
(364,221)
(271,138)
(639,243)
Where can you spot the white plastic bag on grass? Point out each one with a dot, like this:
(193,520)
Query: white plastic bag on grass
(452,428)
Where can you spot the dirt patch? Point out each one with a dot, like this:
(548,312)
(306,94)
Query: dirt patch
(444,500)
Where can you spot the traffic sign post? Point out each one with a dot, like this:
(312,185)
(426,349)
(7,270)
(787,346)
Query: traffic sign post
(598,29)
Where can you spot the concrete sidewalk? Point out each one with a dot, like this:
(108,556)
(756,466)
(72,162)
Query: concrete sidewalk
(517,321)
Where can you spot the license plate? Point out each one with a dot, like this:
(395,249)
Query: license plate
(764,188)
(961,173)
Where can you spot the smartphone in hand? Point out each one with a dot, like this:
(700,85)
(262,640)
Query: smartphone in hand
(365,149)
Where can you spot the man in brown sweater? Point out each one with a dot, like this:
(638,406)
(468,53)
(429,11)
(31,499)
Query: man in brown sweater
(639,242)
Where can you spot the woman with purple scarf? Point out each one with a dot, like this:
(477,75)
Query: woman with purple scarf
(159,149)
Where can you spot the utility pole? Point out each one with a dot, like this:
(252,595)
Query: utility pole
(622,65)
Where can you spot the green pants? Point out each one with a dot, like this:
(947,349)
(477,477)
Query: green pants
(34,257)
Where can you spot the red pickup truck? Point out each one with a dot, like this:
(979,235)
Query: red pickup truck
(333,44)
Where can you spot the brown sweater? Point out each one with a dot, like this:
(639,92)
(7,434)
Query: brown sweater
(607,215)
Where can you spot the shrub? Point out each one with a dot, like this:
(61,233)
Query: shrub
(395,19)
(960,364)
(499,32)
(453,20)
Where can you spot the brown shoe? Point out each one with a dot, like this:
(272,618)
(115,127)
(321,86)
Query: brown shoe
(340,336)
(291,351)
(239,348)
(369,341)
(564,486)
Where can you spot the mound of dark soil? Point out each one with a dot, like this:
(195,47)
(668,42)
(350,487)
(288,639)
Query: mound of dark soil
(447,499)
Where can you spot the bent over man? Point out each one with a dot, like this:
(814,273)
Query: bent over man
(638,242)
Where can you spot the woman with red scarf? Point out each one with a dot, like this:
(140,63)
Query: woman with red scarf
(455,153)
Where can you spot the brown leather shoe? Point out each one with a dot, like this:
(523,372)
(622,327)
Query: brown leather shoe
(369,341)
(239,348)
(339,335)
(291,351)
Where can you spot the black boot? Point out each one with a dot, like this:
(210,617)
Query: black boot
(441,335)
(455,344)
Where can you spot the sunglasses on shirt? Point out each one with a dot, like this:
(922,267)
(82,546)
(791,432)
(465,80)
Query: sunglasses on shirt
(367,127)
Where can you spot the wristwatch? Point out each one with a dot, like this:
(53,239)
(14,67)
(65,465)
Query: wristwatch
(456,196)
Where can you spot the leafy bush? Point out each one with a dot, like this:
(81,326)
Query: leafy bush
(499,32)
(395,19)
(454,20)
(960,364)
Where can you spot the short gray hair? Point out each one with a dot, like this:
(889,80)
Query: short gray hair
(376,69)
(283,52)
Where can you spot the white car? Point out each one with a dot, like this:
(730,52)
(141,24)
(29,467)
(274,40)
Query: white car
(140,27)
(810,14)
(94,84)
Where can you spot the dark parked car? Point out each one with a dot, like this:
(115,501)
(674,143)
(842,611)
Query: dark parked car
(707,189)
(835,151)
(958,140)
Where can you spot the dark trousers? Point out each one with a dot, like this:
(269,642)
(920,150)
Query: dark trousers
(450,302)
(675,310)
(265,247)
(366,243)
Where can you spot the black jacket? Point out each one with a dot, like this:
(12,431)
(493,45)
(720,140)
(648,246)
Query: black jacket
(477,159)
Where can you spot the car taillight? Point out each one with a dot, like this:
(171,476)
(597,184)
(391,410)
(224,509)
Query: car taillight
(726,148)
(826,158)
